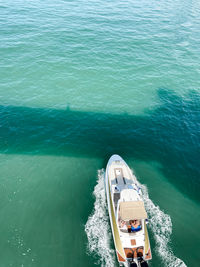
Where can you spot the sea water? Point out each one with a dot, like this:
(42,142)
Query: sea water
(80,81)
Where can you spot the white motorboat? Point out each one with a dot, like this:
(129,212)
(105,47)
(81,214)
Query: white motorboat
(128,217)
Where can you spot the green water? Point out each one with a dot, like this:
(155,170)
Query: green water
(80,81)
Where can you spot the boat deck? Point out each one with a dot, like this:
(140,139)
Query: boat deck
(120,175)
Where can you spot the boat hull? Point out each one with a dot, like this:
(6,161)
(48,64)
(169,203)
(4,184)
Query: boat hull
(121,251)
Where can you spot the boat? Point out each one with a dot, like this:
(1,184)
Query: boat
(128,217)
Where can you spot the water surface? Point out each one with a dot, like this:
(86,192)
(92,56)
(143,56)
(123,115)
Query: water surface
(81,81)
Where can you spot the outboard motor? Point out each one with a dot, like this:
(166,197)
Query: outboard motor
(144,263)
(141,261)
(132,264)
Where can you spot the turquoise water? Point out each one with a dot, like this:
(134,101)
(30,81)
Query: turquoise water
(80,81)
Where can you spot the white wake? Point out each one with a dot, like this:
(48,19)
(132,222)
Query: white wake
(161,225)
(98,228)
(99,232)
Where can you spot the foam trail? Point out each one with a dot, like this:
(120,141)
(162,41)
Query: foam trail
(161,226)
(98,228)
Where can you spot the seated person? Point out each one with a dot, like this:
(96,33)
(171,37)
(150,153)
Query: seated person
(135,226)
(123,225)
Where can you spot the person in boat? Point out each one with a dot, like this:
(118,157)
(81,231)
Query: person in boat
(135,226)
(123,225)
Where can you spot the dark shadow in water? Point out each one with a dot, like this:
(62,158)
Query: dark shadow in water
(170,135)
